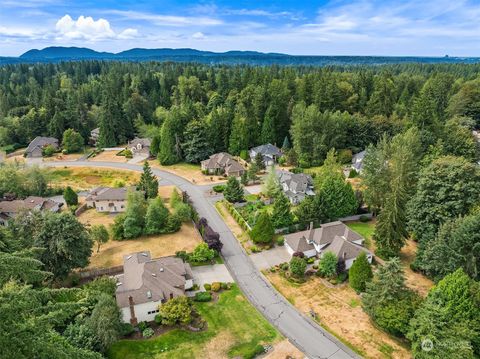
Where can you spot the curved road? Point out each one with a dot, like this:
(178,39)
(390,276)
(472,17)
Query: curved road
(303,332)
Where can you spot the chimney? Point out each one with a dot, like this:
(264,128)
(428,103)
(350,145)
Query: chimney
(133,319)
(311,225)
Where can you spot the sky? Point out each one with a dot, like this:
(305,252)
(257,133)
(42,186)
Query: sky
(336,27)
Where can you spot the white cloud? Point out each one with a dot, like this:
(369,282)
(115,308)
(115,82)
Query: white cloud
(167,20)
(86,28)
(198,35)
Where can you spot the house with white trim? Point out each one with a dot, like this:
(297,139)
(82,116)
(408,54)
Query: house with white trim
(147,283)
(333,237)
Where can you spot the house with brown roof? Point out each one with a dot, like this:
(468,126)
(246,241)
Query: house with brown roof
(35,148)
(10,209)
(107,199)
(147,283)
(333,237)
(139,146)
(222,163)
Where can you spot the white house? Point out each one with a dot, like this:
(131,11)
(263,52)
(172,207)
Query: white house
(333,237)
(147,283)
(107,199)
(269,152)
(296,186)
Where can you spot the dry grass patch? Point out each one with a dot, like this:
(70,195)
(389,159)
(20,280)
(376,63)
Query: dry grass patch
(416,281)
(284,349)
(335,312)
(190,172)
(108,156)
(111,253)
(82,178)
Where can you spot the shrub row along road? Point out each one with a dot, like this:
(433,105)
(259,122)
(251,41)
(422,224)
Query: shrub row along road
(304,333)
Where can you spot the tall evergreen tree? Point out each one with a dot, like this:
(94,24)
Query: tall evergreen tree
(281,215)
(196,146)
(233,191)
(148,182)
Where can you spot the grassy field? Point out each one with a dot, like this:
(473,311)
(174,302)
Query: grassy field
(365,229)
(235,328)
(82,178)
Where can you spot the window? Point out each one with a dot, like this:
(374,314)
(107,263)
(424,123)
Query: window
(153,312)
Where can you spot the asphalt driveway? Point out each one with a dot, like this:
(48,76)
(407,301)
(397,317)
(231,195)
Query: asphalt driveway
(270,258)
(210,274)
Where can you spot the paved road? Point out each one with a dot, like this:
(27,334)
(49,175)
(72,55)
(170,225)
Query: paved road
(304,333)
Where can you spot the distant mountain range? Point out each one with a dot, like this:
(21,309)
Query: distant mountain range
(58,53)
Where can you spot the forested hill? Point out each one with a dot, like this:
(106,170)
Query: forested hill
(57,54)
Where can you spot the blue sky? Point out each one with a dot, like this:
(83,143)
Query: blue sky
(363,27)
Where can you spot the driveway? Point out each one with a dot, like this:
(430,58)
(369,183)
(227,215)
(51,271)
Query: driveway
(210,274)
(302,331)
(271,257)
(255,189)
(138,158)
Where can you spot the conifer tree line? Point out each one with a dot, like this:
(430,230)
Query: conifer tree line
(192,110)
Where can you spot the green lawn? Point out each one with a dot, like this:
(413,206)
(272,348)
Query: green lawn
(235,329)
(365,229)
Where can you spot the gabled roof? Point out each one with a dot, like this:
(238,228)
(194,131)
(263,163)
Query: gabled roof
(324,235)
(108,194)
(223,161)
(40,142)
(151,280)
(95,131)
(357,160)
(29,203)
(145,142)
(296,182)
(345,249)
(267,149)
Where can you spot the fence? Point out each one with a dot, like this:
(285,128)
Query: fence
(81,209)
(98,272)
(237,216)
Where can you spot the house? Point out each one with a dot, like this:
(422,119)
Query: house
(10,209)
(147,283)
(222,163)
(269,152)
(35,148)
(139,146)
(333,237)
(107,199)
(357,161)
(94,136)
(296,186)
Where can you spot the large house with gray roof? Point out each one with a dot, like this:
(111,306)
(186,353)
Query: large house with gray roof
(107,199)
(269,152)
(222,163)
(296,186)
(10,209)
(333,237)
(139,146)
(357,161)
(147,283)
(35,148)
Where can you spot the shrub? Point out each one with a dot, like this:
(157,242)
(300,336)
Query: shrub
(364,219)
(202,297)
(224,285)
(298,266)
(202,253)
(353,173)
(70,196)
(327,266)
(360,273)
(263,230)
(183,211)
(173,223)
(344,156)
(284,266)
(117,228)
(182,254)
(216,286)
(207,286)
(280,241)
(244,155)
(128,154)
(176,310)
(219,188)
(310,260)
(158,319)
(148,333)
(142,326)
(255,249)
(298,254)
(254,352)
(48,151)
(126,329)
